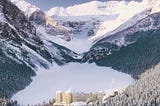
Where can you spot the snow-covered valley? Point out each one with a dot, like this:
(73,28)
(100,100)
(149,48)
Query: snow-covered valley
(84,24)
(74,76)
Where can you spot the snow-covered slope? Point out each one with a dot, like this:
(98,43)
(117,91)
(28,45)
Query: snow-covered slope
(25,6)
(145,9)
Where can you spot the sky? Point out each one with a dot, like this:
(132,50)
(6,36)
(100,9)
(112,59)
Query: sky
(47,4)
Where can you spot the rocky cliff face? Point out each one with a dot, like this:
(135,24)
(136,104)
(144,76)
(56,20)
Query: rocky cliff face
(15,74)
(19,31)
(38,17)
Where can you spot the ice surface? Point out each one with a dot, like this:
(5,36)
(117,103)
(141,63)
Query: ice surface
(75,76)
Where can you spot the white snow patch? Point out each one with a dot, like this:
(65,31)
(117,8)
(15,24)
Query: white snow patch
(78,77)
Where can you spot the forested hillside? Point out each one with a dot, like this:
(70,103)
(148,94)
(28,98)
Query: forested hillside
(144,92)
(134,58)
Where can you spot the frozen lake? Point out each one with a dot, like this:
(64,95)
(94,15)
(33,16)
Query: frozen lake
(74,76)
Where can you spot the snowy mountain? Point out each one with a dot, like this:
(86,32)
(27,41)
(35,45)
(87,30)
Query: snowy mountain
(121,48)
(79,23)
(150,8)
(111,13)
(100,19)
(95,8)
(123,35)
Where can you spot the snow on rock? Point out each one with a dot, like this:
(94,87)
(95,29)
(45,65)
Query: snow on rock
(2,19)
(36,58)
(25,6)
(78,77)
